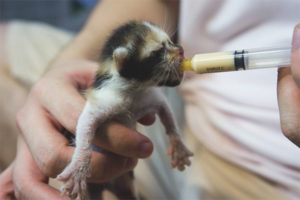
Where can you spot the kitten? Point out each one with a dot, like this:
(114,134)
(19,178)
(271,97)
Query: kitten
(136,59)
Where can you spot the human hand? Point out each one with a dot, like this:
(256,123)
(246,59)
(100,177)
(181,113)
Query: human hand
(54,104)
(288,92)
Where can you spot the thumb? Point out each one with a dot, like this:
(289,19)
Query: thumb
(288,93)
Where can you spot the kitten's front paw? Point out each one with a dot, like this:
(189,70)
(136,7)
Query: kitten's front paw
(74,178)
(179,153)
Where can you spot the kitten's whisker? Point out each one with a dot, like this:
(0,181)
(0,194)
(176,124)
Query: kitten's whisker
(173,68)
(167,76)
(176,74)
(172,34)
(162,76)
(165,23)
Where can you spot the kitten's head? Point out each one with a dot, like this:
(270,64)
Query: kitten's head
(143,52)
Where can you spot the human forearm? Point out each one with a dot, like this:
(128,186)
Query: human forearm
(109,14)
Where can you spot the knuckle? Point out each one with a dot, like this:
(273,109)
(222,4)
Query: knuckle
(38,88)
(114,170)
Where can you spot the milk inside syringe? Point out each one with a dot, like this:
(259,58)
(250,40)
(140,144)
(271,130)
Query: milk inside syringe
(238,60)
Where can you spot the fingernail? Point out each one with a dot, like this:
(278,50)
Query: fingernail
(296,38)
(145,149)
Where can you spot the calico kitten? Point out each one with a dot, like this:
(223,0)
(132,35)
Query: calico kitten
(136,59)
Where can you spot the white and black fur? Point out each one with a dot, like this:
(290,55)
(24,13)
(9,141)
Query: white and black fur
(136,59)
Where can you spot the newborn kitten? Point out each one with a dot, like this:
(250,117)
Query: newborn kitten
(136,59)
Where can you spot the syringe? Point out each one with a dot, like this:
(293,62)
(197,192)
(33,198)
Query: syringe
(238,60)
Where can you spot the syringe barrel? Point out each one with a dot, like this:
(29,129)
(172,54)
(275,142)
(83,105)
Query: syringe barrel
(238,60)
(265,58)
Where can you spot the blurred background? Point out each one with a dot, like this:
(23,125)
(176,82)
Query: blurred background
(66,14)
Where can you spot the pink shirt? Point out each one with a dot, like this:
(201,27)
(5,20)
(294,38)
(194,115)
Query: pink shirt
(235,114)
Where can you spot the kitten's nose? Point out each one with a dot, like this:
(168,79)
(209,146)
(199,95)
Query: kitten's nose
(181,52)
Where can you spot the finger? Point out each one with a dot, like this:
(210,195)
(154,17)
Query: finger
(29,181)
(295,58)
(124,141)
(32,184)
(289,93)
(61,95)
(6,183)
(52,154)
(46,144)
(64,103)
(148,119)
(106,167)
(289,102)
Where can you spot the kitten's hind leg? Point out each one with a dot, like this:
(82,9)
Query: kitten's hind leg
(75,174)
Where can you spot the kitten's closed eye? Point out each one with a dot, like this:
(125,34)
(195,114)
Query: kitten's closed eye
(159,52)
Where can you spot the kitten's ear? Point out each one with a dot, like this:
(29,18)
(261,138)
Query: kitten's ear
(120,56)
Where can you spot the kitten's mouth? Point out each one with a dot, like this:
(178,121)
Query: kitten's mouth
(172,73)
